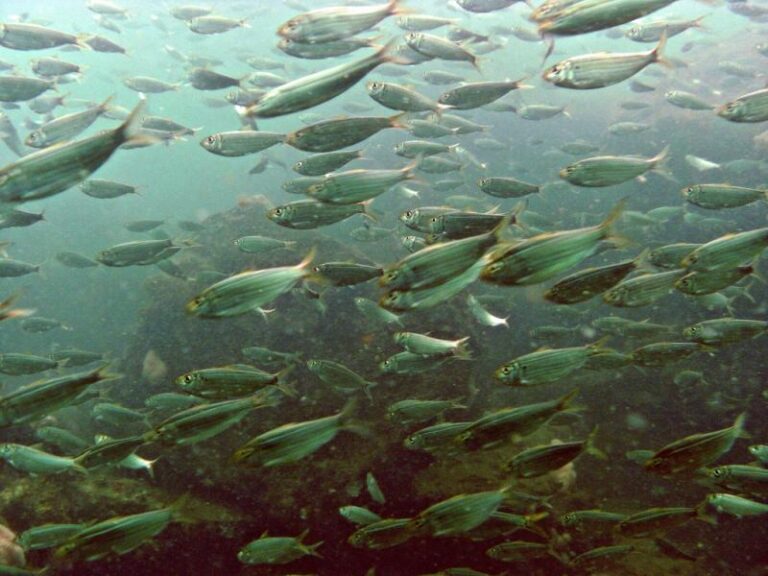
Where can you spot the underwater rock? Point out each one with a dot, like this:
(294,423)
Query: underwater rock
(11,553)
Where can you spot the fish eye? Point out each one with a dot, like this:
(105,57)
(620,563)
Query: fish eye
(506,370)
(409,213)
(210,139)
(277,211)
(717,472)
(300,163)
(188,378)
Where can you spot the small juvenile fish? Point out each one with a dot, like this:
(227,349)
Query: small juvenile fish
(592,71)
(482,315)
(240,142)
(602,171)
(62,439)
(518,551)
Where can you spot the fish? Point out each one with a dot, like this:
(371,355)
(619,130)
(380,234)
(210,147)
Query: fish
(402,98)
(149,85)
(55,169)
(652,31)
(34,461)
(336,23)
(440,48)
(568,18)
(277,550)
(752,107)
(721,331)
(16,364)
(496,427)
(321,164)
(642,290)
(308,214)
(213,24)
(23,36)
(340,377)
(737,506)
(458,514)
(261,244)
(590,282)
(727,251)
(313,89)
(408,363)
(320,51)
(10,136)
(592,71)
(346,273)
(700,283)
(654,521)
(661,353)
(472,95)
(205,421)
(204,79)
(240,142)
(106,189)
(294,441)
(506,187)
(686,100)
(545,255)
(483,316)
(359,515)
(118,535)
(385,533)
(719,196)
(414,411)
(701,164)
(227,382)
(332,135)
(600,171)
(431,346)
(33,401)
(543,366)
(47,536)
(540,460)
(693,452)
(139,252)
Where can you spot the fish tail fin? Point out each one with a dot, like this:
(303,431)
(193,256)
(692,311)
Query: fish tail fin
(738,426)
(550,41)
(613,216)
(657,54)
(81,41)
(130,129)
(367,210)
(509,218)
(399,120)
(590,447)
(304,264)
(565,402)
(462,351)
(106,105)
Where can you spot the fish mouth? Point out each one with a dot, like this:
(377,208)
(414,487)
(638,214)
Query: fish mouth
(563,174)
